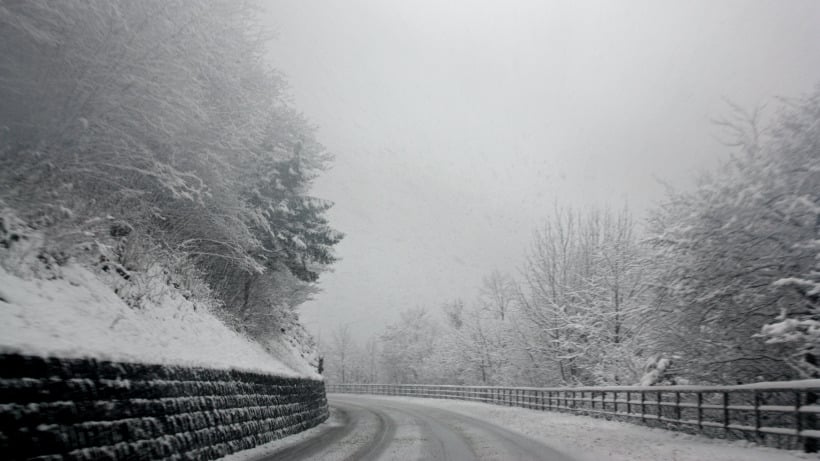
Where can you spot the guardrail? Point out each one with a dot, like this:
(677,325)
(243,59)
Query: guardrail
(779,414)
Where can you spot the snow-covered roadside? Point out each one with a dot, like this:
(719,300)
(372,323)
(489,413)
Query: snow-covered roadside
(77,315)
(592,439)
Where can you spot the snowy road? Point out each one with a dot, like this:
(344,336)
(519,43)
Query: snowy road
(409,428)
(369,428)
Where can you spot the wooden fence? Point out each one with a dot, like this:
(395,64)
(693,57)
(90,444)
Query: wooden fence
(780,414)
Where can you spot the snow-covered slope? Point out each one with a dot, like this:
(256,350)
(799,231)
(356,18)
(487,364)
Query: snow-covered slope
(77,315)
(63,294)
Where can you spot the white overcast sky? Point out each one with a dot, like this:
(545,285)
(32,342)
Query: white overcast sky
(457,124)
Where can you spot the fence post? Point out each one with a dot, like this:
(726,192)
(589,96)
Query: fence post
(798,426)
(643,406)
(677,406)
(810,443)
(628,402)
(726,411)
(700,411)
(660,414)
(758,434)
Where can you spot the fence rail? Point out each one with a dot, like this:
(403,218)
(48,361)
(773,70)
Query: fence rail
(780,414)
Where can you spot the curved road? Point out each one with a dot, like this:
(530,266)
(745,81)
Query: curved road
(373,428)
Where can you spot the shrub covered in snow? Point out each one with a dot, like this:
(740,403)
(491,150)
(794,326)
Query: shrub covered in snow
(738,256)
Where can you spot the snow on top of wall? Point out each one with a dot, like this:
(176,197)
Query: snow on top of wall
(77,315)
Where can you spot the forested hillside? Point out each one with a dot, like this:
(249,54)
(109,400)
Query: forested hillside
(151,143)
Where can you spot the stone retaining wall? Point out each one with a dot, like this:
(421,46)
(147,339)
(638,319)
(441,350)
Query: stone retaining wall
(85,409)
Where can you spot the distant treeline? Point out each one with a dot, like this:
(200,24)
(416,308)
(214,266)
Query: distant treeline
(721,285)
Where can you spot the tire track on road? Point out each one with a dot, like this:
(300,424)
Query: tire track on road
(370,429)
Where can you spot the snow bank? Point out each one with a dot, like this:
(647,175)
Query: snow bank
(78,315)
(592,439)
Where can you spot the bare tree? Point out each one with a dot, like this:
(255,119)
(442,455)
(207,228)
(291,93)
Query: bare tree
(497,293)
(581,295)
(737,256)
(341,349)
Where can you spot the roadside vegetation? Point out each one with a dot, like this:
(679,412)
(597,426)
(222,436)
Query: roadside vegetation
(151,140)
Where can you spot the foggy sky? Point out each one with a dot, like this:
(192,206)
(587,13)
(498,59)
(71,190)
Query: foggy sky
(456,125)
